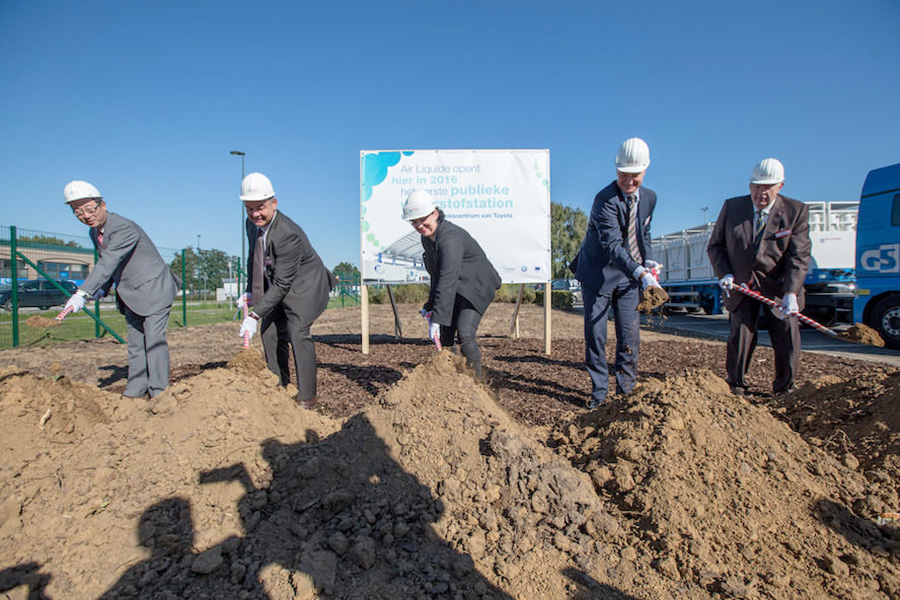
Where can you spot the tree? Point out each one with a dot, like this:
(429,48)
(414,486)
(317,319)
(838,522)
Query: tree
(567,228)
(49,240)
(345,270)
(204,269)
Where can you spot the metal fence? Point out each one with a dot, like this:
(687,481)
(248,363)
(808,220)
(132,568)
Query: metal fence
(47,268)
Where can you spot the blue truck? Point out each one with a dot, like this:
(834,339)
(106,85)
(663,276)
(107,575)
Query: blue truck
(854,275)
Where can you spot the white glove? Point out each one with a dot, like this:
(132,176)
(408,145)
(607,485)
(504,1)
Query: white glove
(76,302)
(98,295)
(243,301)
(789,305)
(653,265)
(726,283)
(649,281)
(248,327)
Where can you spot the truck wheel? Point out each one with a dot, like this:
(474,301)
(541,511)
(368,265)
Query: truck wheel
(886,320)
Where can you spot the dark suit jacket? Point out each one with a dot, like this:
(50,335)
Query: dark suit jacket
(457,265)
(129,259)
(780,263)
(294,274)
(603,262)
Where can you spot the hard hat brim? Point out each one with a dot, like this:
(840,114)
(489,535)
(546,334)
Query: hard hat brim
(420,214)
(633,168)
(254,198)
(767,181)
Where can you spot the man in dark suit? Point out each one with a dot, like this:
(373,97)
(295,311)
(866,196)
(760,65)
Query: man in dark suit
(288,287)
(145,287)
(613,265)
(762,240)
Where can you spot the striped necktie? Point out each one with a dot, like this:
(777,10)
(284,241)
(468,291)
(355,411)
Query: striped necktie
(760,227)
(257,288)
(633,249)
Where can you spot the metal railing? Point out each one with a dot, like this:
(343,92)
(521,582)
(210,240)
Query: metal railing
(27,309)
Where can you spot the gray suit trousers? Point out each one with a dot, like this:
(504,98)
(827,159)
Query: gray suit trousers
(148,352)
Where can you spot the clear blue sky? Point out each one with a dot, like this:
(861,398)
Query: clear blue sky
(145,99)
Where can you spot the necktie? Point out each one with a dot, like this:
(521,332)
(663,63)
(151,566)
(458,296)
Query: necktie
(259,265)
(760,226)
(633,249)
(99,238)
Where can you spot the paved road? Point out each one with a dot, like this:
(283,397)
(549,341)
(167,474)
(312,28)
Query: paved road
(716,327)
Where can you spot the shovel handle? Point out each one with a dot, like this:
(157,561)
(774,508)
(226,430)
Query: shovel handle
(246,342)
(803,318)
(65,313)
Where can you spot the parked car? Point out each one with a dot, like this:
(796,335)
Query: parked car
(40,293)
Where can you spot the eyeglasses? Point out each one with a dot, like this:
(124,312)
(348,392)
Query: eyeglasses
(87,211)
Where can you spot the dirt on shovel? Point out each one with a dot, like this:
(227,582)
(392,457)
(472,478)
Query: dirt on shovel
(42,321)
(862,334)
(653,297)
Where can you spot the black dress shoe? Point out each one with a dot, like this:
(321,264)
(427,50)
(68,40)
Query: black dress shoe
(594,403)
(788,390)
(308,404)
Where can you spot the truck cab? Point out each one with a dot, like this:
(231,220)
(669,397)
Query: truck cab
(877,301)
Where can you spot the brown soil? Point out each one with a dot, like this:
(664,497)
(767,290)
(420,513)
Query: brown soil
(42,321)
(652,297)
(863,334)
(411,480)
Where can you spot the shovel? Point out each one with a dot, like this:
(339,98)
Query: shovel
(803,318)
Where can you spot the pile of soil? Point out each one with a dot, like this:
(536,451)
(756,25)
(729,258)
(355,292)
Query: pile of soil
(412,480)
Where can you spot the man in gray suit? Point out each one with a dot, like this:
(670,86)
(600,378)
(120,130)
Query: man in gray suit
(288,287)
(613,265)
(762,240)
(145,287)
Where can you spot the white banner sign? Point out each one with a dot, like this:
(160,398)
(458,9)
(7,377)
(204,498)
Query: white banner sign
(501,197)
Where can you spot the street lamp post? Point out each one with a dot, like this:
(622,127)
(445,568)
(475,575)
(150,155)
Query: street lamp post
(199,261)
(704,209)
(243,257)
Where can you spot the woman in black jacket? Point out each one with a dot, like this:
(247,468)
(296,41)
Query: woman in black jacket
(463,281)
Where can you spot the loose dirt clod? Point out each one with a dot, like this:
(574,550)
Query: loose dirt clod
(42,321)
(653,297)
(863,334)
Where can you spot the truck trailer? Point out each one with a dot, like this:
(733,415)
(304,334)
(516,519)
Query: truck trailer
(854,274)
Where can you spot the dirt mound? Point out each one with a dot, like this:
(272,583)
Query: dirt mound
(721,494)
(857,420)
(223,488)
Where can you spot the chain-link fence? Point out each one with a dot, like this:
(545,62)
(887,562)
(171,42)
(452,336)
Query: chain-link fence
(48,267)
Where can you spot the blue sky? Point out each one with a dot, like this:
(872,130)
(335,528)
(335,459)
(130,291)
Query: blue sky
(146,99)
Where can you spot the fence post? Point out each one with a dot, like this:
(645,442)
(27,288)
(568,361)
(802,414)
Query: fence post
(97,302)
(14,289)
(183,292)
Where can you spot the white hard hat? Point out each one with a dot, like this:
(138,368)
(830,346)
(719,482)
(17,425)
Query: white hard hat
(417,205)
(256,187)
(633,156)
(767,171)
(80,190)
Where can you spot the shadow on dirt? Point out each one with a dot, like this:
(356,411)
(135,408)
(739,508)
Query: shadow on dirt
(28,575)
(339,517)
(860,532)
